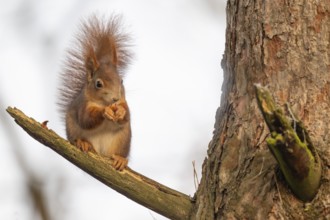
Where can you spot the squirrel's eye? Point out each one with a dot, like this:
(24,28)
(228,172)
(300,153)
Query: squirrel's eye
(121,81)
(98,84)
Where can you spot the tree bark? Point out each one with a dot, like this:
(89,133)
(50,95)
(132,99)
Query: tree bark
(283,45)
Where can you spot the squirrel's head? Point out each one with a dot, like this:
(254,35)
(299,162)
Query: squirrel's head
(96,64)
(104,83)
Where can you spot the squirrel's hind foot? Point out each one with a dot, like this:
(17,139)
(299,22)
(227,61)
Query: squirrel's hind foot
(84,145)
(119,163)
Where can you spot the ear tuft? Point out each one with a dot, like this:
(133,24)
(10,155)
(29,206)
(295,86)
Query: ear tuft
(113,52)
(91,63)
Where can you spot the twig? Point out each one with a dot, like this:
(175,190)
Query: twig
(196,182)
(278,189)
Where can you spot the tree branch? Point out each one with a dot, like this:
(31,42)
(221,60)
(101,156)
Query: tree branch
(292,148)
(147,192)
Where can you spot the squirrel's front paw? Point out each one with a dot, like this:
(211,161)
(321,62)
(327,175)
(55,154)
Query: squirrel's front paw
(110,113)
(116,112)
(83,145)
(121,112)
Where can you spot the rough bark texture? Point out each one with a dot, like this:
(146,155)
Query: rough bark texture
(285,46)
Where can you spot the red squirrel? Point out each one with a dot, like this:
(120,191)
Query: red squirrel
(92,96)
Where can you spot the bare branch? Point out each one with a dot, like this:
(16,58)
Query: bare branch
(292,148)
(147,192)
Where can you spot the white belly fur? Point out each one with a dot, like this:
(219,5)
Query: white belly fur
(102,138)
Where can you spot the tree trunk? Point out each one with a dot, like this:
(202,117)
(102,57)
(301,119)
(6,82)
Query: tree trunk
(283,45)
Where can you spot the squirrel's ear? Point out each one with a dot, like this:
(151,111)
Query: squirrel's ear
(113,55)
(91,63)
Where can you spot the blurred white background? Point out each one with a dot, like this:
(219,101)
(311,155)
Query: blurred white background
(173,89)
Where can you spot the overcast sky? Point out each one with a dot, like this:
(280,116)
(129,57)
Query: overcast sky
(173,89)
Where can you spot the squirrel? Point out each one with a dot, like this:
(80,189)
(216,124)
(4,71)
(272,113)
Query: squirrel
(92,94)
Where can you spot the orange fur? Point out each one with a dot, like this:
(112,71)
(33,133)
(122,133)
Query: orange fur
(92,95)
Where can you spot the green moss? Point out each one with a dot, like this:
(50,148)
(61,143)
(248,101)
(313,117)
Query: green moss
(294,152)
